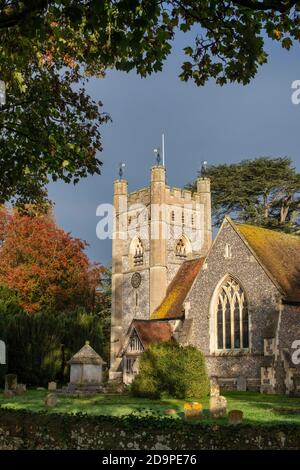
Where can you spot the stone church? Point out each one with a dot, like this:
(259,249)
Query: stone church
(236,298)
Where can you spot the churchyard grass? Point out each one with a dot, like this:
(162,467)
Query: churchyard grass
(257,408)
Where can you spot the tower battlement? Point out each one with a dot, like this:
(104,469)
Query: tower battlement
(156,229)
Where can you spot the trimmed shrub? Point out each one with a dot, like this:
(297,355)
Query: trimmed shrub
(170,369)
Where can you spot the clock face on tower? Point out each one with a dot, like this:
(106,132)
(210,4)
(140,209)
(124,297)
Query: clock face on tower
(136,280)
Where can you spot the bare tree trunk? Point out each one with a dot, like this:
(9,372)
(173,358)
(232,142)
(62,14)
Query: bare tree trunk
(283,214)
(266,207)
(284,210)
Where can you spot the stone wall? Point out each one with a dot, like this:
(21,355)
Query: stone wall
(131,309)
(24,430)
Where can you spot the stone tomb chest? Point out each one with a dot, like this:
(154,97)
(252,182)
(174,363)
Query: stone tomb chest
(86,367)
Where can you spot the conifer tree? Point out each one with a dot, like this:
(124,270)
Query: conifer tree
(264,191)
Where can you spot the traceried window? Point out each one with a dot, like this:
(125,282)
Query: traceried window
(138,257)
(232,316)
(180,249)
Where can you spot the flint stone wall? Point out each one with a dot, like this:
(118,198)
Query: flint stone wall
(263,303)
(25,430)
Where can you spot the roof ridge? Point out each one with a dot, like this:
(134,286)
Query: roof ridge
(86,353)
(145,320)
(195,258)
(278,254)
(273,231)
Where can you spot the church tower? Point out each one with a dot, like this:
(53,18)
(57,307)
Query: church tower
(156,229)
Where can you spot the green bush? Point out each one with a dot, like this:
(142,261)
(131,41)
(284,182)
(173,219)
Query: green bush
(170,369)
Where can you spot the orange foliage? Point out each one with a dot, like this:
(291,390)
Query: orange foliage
(44,264)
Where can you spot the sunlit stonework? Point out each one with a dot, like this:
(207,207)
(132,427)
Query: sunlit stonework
(236,299)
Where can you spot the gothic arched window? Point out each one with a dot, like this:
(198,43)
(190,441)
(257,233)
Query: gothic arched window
(138,257)
(180,249)
(232,317)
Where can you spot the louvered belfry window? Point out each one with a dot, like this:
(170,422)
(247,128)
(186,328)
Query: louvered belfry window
(138,257)
(180,250)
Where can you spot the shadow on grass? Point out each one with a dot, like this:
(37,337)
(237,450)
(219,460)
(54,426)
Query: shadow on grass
(258,409)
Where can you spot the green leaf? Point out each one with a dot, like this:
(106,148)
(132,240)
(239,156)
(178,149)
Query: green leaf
(20,80)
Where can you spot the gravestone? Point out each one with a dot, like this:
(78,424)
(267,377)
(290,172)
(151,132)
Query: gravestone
(218,407)
(51,400)
(21,389)
(2,353)
(11,382)
(214,387)
(71,387)
(267,380)
(235,417)
(170,411)
(52,386)
(241,384)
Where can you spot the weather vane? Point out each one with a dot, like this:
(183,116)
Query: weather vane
(121,169)
(203,170)
(157,153)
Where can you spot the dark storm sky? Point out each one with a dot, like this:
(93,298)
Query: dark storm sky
(219,124)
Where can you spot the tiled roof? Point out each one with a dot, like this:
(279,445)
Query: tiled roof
(172,305)
(86,355)
(279,253)
(152,331)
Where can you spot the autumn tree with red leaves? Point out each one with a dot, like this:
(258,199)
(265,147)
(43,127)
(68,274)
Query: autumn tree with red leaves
(46,266)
